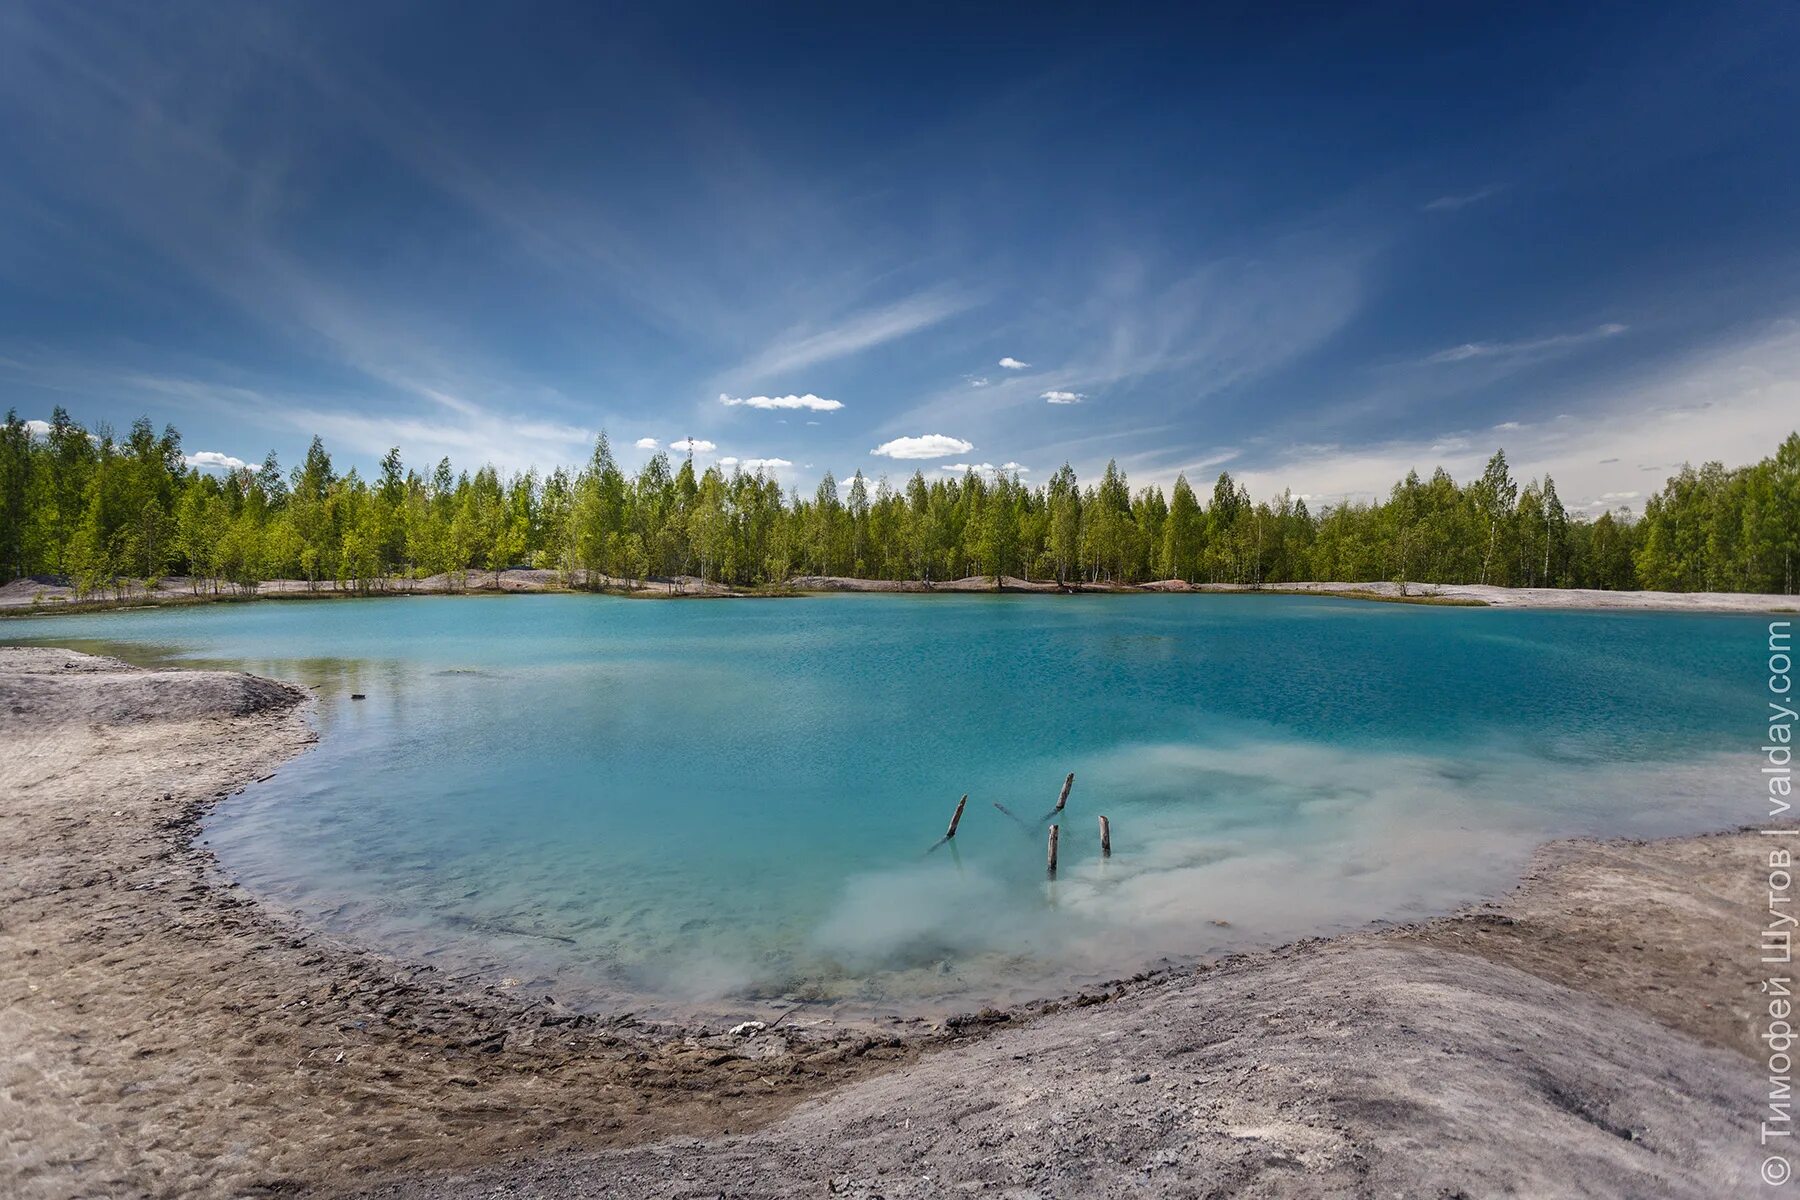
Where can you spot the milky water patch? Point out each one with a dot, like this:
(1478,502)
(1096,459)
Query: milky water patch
(1291,841)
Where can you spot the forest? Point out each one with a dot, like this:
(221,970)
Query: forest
(108,513)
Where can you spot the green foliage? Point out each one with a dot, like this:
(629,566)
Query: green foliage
(112,515)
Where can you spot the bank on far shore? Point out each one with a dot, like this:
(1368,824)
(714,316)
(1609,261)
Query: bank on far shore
(48,595)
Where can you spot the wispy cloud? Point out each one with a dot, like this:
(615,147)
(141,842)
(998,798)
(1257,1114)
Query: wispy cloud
(1217,326)
(930,445)
(1059,397)
(1013,364)
(803,347)
(809,402)
(203,203)
(1451,203)
(1732,403)
(1561,341)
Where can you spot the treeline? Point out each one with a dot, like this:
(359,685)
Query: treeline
(110,513)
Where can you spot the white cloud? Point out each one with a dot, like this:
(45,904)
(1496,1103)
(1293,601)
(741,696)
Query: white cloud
(1056,397)
(212,458)
(981,382)
(809,401)
(754,466)
(646,443)
(37,428)
(1013,468)
(930,445)
(1013,364)
(978,468)
(693,446)
(1559,341)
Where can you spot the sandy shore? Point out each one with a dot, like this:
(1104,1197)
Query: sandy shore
(45,595)
(25,595)
(162,1035)
(1500,597)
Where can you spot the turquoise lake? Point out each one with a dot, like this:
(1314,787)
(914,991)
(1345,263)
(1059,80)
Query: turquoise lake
(715,805)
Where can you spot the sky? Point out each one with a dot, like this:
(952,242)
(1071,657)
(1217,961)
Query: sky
(1313,247)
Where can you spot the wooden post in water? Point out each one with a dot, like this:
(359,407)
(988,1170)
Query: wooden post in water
(1064,798)
(956,817)
(1055,830)
(1105,838)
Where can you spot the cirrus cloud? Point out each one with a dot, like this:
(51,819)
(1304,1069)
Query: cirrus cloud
(1554,342)
(930,445)
(809,402)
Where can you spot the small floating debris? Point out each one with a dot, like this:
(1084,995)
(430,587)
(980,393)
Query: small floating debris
(358,696)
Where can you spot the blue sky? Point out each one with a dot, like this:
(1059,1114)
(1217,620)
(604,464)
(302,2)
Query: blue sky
(1312,249)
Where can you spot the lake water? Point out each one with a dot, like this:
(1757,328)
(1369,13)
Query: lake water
(717,804)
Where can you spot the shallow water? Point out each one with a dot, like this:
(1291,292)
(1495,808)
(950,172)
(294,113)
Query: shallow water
(719,804)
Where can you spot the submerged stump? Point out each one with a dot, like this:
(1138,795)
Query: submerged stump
(956,817)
